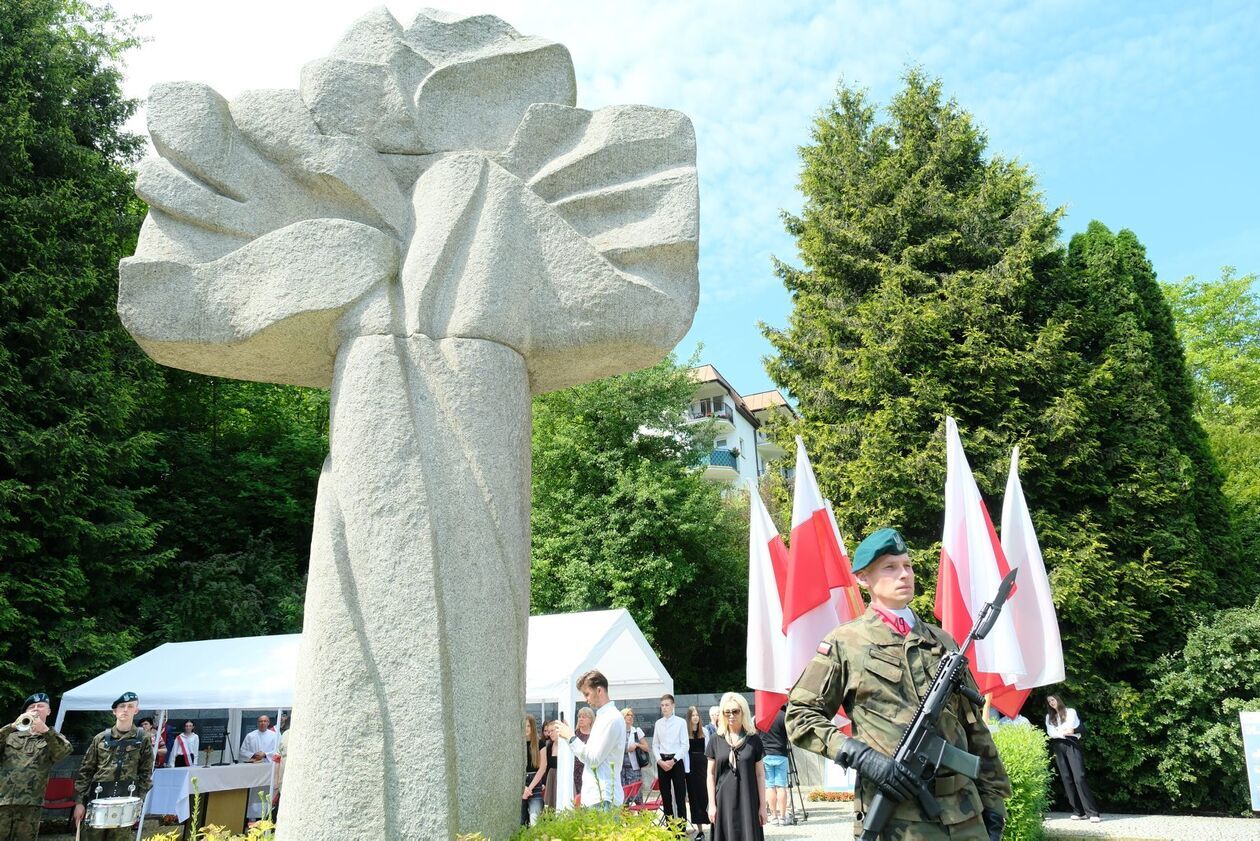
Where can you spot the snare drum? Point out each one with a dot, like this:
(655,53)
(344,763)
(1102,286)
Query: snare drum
(113,812)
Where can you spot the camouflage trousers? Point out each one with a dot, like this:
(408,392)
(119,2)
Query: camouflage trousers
(20,823)
(969,830)
(123,834)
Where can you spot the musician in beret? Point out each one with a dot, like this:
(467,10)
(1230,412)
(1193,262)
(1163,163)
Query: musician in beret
(118,763)
(29,749)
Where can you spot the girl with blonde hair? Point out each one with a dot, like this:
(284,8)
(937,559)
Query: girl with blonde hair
(737,774)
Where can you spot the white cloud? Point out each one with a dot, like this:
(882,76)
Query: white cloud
(1050,80)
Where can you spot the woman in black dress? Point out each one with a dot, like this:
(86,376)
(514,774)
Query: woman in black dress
(549,781)
(535,770)
(737,775)
(698,775)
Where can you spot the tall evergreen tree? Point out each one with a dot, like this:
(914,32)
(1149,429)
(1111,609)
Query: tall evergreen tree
(934,284)
(72,539)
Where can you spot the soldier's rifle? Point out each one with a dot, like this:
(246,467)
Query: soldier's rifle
(922,749)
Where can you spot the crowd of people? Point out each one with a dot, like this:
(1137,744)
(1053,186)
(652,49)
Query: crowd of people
(710,774)
(721,776)
(727,778)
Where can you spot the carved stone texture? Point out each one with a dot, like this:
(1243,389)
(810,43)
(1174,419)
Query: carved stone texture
(432,230)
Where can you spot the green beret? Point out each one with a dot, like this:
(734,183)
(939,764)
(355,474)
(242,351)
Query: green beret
(35,699)
(882,542)
(124,698)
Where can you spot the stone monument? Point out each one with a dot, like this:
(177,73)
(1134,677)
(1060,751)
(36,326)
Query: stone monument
(431,229)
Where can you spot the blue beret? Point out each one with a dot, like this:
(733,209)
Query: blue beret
(124,698)
(882,542)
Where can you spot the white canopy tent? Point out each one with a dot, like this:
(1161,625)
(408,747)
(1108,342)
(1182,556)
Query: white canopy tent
(231,674)
(259,673)
(564,646)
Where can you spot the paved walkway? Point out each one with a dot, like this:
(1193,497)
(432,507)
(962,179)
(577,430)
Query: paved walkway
(1059,825)
(834,822)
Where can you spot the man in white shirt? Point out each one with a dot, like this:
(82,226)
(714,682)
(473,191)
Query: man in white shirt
(669,749)
(184,752)
(602,753)
(258,746)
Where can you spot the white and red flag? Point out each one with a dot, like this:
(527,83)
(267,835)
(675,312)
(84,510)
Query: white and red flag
(972,566)
(766,668)
(1031,607)
(816,544)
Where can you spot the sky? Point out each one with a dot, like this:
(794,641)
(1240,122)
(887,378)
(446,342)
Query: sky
(1144,115)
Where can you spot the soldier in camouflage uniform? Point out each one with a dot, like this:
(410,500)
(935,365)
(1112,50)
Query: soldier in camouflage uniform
(26,759)
(116,759)
(878,667)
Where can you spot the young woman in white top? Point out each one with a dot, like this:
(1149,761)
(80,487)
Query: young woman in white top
(1063,726)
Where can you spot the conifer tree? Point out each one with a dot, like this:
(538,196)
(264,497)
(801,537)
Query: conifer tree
(73,543)
(933,283)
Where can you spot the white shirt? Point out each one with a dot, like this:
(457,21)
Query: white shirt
(602,755)
(1059,731)
(670,736)
(256,740)
(191,741)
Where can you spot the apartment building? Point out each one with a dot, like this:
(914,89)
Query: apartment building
(741,451)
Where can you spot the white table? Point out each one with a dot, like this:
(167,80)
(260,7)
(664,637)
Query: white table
(173,786)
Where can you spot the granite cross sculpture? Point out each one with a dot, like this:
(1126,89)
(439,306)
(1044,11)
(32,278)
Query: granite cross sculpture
(431,229)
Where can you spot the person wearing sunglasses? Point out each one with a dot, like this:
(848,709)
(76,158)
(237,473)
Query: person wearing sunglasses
(876,668)
(737,774)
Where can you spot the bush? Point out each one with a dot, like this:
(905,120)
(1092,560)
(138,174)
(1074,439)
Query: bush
(831,796)
(1197,700)
(1027,760)
(595,825)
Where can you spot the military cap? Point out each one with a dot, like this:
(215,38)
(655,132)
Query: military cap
(124,698)
(35,699)
(882,542)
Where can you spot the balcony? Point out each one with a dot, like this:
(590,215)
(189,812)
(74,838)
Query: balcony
(722,465)
(723,417)
(768,448)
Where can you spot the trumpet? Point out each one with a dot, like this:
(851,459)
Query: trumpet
(24,722)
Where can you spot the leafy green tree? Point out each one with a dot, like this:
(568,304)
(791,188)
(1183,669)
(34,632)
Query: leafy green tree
(622,517)
(1219,323)
(933,284)
(73,539)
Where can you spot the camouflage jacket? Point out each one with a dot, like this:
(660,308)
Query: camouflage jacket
(115,760)
(26,760)
(879,677)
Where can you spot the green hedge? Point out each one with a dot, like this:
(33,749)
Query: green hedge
(1024,752)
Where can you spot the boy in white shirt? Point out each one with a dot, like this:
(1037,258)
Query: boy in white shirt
(603,752)
(670,750)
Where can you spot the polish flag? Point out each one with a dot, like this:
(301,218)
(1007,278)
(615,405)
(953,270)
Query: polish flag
(1031,607)
(815,567)
(848,602)
(766,668)
(816,545)
(972,566)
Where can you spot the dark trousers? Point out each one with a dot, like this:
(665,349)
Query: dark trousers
(674,789)
(1071,763)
